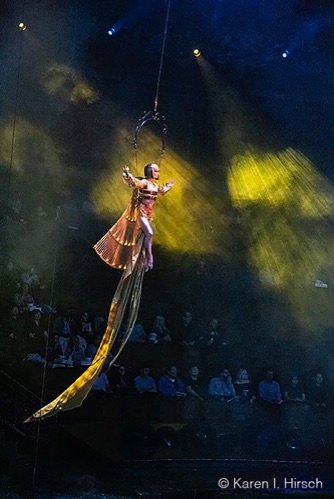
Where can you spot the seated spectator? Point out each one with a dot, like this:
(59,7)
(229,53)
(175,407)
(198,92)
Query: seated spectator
(35,334)
(221,387)
(54,349)
(100,324)
(86,327)
(170,385)
(318,392)
(101,384)
(120,382)
(11,326)
(138,334)
(294,392)
(31,278)
(194,387)
(65,327)
(24,300)
(212,337)
(186,330)
(75,350)
(269,390)
(244,388)
(159,332)
(144,383)
(37,288)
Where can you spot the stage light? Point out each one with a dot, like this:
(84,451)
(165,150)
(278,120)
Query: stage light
(22,26)
(285,54)
(111,31)
(196,52)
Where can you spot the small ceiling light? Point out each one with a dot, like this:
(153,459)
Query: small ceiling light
(196,52)
(22,26)
(111,31)
(285,54)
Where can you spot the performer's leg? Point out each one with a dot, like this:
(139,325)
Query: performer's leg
(148,233)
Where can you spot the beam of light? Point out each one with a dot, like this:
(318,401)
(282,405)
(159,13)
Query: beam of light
(33,146)
(59,79)
(186,220)
(286,204)
(283,203)
(307,31)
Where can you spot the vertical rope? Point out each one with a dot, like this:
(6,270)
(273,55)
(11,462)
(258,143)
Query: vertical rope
(156,99)
(51,301)
(16,100)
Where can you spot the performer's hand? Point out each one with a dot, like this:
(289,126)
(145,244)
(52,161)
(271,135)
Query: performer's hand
(170,183)
(126,170)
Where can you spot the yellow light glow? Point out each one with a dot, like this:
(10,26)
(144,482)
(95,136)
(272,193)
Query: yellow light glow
(32,146)
(286,203)
(62,80)
(22,26)
(196,52)
(187,219)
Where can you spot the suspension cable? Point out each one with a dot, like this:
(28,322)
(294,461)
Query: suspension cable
(156,99)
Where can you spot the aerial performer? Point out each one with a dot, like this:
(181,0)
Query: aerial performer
(119,246)
(127,246)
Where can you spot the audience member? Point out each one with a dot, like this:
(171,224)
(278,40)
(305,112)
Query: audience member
(194,387)
(65,327)
(186,330)
(101,384)
(170,385)
(75,350)
(144,383)
(54,349)
(120,382)
(212,337)
(244,388)
(221,387)
(86,327)
(138,334)
(294,392)
(159,332)
(24,299)
(269,390)
(318,393)
(11,326)
(35,334)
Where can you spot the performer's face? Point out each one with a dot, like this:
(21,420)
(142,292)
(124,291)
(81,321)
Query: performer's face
(155,172)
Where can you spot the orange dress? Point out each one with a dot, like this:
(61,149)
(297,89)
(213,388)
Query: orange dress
(119,247)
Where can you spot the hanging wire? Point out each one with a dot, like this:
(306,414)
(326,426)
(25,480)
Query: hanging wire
(52,290)
(16,100)
(58,222)
(154,115)
(156,99)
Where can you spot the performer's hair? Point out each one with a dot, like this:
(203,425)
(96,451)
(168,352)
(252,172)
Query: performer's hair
(148,170)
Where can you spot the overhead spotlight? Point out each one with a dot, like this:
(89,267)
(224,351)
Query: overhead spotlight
(111,31)
(196,52)
(22,26)
(285,54)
